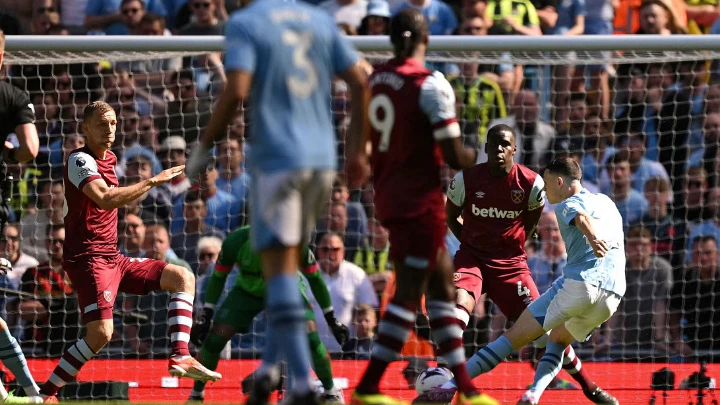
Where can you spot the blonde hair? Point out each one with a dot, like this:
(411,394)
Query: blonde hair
(96,107)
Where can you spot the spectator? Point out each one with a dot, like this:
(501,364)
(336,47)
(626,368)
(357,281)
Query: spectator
(630,202)
(598,150)
(691,204)
(41,23)
(150,72)
(233,179)
(131,235)
(694,311)
(47,119)
(374,258)
(640,321)
(570,21)
(33,225)
(658,17)
(208,248)
(185,243)
(547,263)
(350,12)
(53,314)
(710,226)
(109,16)
(141,165)
(72,13)
(173,152)
(204,19)
(364,323)
(348,284)
(356,231)
(709,156)
(223,209)
(377,20)
(534,137)
(479,97)
(701,15)
(10,249)
(548,13)
(131,13)
(156,245)
(148,134)
(187,114)
(513,17)
(667,233)
(641,169)
(441,18)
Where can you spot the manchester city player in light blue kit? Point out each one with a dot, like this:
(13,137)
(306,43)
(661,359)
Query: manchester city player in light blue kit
(587,294)
(282,56)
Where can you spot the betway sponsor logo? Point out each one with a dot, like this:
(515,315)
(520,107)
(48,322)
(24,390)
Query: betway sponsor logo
(493,212)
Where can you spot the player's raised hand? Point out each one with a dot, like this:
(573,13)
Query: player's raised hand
(5,266)
(199,332)
(167,175)
(600,247)
(357,170)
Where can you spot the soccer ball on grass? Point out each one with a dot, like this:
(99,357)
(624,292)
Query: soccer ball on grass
(432,378)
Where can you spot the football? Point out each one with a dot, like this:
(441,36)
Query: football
(432,378)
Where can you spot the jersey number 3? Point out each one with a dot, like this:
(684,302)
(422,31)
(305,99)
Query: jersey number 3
(301,87)
(384,125)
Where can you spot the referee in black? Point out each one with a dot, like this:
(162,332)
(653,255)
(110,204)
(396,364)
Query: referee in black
(17,115)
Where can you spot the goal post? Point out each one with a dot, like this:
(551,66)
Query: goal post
(653,101)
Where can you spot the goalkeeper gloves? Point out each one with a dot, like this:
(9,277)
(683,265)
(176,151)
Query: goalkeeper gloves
(202,327)
(340,331)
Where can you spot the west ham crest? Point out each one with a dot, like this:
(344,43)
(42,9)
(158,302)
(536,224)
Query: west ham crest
(517,196)
(107,295)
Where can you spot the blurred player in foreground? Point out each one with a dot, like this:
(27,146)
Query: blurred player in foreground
(409,141)
(501,203)
(96,268)
(247,299)
(587,294)
(286,54)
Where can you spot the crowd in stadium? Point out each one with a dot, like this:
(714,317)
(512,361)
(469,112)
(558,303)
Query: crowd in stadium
(647,135)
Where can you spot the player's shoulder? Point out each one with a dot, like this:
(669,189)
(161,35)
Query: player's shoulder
(239,234)
(80,158)
(526,172)
(435,81)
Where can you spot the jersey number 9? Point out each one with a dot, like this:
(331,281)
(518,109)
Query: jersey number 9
(384,125)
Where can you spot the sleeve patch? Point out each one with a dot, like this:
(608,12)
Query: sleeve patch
(82,169)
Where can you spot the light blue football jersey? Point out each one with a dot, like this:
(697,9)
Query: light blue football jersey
(582,265)
(293,51)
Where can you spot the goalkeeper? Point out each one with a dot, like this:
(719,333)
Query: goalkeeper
(247,299)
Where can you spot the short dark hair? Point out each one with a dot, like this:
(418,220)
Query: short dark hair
(566,167)
(152,18)
(615,159)
(192,196)
(703,239)
(408,28)
(498,130)
(637,232)
(55,227)
(124,2)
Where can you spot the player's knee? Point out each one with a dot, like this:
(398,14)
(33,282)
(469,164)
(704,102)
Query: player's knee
(99,333)
(177,279)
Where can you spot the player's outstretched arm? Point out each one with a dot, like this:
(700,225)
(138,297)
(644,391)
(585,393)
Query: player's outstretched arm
(358,168)
(111,198)
(585,224)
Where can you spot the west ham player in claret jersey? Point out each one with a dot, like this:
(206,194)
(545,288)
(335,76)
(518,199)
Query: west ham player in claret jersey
(501,203)
(95,266)
(413,126)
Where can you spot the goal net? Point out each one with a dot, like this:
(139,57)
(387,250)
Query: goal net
(644,125)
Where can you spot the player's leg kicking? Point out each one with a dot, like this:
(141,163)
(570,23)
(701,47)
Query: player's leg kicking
(284,208)
(235,316)
(575,311)
(422,265)
(14,359)
(97,282)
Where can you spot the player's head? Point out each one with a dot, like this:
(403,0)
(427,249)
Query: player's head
(562,179)
(99,124)
(500,146)
(409,33)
